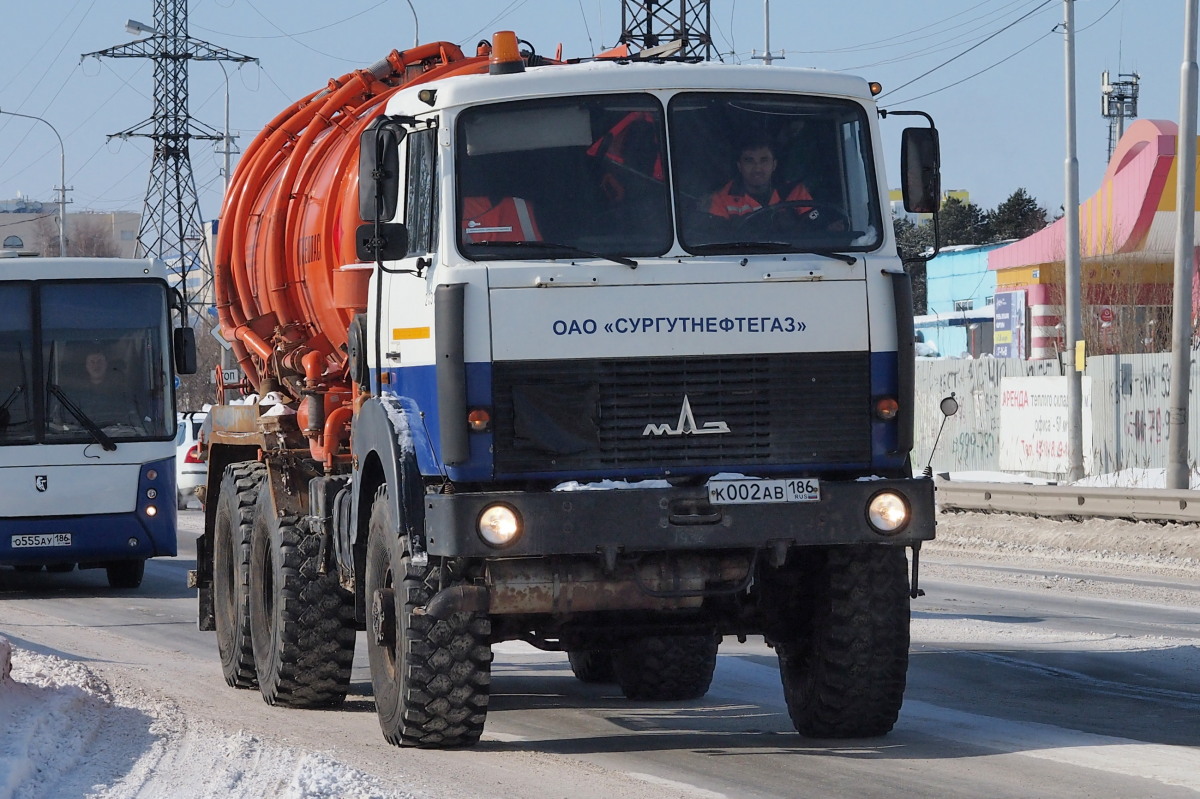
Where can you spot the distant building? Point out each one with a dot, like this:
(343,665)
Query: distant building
(32,225)
(960,292)
(1127,255)
(896,198)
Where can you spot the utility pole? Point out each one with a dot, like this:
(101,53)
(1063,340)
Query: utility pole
(653,23)
(767,57)
(1178,469)
(171,214)
(1072,276)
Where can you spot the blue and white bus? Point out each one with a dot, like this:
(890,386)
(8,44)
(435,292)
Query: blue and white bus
(87,414)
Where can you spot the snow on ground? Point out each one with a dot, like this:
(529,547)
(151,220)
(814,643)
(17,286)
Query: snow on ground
(64,732)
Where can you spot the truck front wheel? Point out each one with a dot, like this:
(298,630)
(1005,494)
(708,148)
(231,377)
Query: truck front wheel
(664,668)
(231,570)
(844,670)
(431,677)
(301,621)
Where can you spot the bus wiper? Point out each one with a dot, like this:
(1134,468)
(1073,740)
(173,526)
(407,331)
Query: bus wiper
(770,247)
(101,437)
(565,248)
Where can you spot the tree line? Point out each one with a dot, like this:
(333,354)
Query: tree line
(966,223)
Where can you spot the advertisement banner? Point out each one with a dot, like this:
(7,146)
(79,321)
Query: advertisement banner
(1033,424)
(1009,334)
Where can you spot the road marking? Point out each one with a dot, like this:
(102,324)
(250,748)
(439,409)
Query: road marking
(1170,765)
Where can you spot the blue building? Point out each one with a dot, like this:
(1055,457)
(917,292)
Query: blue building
(960,292)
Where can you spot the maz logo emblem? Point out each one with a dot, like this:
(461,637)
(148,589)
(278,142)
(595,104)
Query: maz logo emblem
(686,426)
(41,482)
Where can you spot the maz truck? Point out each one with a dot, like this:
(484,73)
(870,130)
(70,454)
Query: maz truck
(537,359)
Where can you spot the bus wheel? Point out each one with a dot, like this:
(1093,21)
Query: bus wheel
(431,678)
(126,573)
(301,621)
(844,669)
(231,570)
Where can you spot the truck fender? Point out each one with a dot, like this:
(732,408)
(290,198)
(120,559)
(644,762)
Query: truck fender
(383,448)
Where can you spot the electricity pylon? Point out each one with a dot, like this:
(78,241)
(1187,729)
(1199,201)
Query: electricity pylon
(171,226)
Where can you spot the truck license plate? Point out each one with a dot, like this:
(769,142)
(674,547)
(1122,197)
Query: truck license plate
(749,491)
(36,540)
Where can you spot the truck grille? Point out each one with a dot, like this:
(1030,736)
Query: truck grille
(794,408)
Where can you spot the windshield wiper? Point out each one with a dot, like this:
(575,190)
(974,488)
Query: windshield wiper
(555,246)
(769,247)
(101,437)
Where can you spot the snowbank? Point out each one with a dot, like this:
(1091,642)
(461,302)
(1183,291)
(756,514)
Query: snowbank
(65,732)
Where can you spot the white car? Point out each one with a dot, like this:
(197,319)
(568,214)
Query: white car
(190,470)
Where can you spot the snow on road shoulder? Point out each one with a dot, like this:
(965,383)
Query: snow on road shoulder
(66,732)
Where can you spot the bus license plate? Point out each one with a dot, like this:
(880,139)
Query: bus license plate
(36,540)
(747,492)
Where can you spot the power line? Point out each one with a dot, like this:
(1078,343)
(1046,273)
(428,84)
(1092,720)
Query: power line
(969,49)
(976,74)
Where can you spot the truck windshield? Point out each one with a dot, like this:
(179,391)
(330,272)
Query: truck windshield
(588,176)
(84,361)
(579,175)
(772,173)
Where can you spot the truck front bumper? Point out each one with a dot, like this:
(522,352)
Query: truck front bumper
(672,519)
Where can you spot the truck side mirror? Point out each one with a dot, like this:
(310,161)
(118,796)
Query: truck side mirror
(184,341)
(379,170)
(375,241)
(921,170)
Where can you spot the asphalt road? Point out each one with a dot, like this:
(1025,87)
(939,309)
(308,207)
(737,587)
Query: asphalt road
(1022,683)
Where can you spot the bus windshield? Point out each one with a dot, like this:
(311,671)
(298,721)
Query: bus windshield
(84,362)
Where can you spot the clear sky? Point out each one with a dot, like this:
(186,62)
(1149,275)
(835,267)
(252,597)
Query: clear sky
(989,71)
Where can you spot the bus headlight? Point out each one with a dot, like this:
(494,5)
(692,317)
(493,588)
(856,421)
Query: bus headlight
(499,525)
(888,513)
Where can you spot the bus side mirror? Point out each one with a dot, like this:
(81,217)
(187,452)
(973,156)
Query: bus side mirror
(379,170)
(184,341)
(921,170)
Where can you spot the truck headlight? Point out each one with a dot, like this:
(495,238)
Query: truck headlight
(888,512)
(499,525)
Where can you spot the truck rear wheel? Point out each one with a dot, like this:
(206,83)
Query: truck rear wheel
(301,621)
(592,665)
(844,675)
(231,570)
(666,667)
(431,677)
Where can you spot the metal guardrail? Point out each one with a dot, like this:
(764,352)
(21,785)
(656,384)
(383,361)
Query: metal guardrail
(1139,504)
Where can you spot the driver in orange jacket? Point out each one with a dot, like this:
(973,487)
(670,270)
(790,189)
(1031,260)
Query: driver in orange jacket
(754,187)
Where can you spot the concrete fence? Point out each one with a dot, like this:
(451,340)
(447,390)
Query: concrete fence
(1007,422)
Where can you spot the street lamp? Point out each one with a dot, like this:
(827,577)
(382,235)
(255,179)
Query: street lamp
(62,177)
(416,25)
(136,28)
